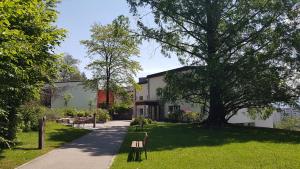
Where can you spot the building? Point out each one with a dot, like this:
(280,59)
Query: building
(80,97)
(148,104)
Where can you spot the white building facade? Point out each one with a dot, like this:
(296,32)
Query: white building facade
(148,104)
(81,96)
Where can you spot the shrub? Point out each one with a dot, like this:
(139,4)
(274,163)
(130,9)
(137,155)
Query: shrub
(102,115)
(289,123)
(119,109)
(71,112)
(141,121)
(80,114)
(191,117)
(87,113)
(53,114)
(30,113)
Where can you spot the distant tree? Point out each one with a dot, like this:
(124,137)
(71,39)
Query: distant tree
(28,38)
(67,98)
(111,48)
(69,69)
(241,51)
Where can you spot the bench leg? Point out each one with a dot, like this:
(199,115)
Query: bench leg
(146,153)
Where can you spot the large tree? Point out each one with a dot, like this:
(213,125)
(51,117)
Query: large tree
(241,51)
(111,49)
(69,69)
(27,40)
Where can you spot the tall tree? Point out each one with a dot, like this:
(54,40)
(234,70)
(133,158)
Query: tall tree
(69,69)
(111,48)
(241,51)
(27,40)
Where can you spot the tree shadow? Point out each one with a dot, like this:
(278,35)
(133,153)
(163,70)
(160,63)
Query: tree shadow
(1,154)
(171,136)
(25,149)
(100,142)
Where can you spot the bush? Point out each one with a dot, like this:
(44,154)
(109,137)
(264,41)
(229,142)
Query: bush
(53,114)
(119,109)
(30,113)
(71,112)
(191,117)
(289,123)
(141,121)
(80,114)
(102,115)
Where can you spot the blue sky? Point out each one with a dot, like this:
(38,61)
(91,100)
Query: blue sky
(77,16)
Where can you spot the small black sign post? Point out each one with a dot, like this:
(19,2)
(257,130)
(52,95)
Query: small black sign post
(94,121)
(42,123)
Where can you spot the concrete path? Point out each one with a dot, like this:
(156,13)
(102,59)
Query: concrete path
(92,151)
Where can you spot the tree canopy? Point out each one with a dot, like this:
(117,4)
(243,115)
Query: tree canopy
(111,49)
(242,52)
(27,40)
(69,71)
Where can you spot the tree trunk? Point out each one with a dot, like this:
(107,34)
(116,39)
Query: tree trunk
(107,94)
(216,116)
(12,125)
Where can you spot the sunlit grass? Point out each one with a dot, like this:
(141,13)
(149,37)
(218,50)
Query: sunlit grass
(181,146)
(26,150)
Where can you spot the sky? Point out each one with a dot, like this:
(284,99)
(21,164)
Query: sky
(77,16)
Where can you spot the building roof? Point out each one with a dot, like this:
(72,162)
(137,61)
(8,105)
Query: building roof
(172,70)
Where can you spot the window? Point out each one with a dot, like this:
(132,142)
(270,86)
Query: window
(141,98)
(173,108)
(141,112)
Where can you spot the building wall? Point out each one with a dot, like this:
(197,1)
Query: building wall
(155,83)
(81,97)
(149,92)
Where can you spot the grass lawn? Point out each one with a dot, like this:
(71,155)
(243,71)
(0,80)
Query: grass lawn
(180,146)
(26,150)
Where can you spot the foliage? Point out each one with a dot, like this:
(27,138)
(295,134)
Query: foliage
(27,41)
(241,53)
(3,130)
(141,121)
(68,70)
(69,112)
(183,146)
(191,117)
(53,114)
(289,123)
(102,115)
(67,98)
(30,113)
(110,49)
(122,108)
(260,113)
(56,135)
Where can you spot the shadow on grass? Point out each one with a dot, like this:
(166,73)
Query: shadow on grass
(66,135)
(25,149)
(1,156)
(168,136)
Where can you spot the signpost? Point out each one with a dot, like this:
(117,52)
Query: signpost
(42,123)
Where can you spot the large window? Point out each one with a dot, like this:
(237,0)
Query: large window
(173,108)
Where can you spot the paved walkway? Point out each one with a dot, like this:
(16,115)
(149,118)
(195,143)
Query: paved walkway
(92,151)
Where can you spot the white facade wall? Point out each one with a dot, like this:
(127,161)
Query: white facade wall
(149,92)
(155,83)
(81,97)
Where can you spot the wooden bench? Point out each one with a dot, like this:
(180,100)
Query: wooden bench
(138,146)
